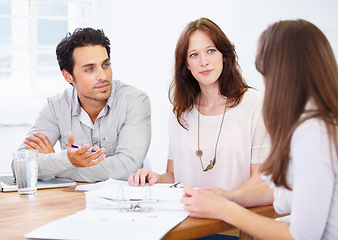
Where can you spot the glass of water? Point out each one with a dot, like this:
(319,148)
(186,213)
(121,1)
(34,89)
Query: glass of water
(26,171)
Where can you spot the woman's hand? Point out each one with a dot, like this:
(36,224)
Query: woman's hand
(227,194)
(142,176)
(201,203)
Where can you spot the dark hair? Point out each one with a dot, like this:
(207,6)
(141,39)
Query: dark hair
(81,37)
(298,64)
(184,88)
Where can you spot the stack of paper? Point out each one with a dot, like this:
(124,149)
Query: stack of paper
(112,193)
(102,220)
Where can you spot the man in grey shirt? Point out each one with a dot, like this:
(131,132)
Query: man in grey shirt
(103,125)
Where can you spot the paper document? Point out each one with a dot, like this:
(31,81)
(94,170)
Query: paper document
(102,218)
(97,224)
(106,195)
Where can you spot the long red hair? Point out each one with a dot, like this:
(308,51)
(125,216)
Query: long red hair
(184,88)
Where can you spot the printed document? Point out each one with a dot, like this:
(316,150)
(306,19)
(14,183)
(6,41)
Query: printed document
(103,219)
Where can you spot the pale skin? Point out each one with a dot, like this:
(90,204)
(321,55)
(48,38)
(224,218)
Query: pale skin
(92,78)
(206,64)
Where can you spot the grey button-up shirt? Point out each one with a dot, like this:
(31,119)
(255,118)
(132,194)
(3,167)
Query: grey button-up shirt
(123,128)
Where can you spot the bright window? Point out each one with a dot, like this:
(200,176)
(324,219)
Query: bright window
(30,31)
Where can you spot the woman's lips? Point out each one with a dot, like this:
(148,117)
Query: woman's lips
(205,72)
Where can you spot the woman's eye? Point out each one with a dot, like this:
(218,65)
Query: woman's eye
(211,50)
(193,55)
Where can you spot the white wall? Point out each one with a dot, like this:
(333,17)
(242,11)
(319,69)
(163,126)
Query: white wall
(143,36)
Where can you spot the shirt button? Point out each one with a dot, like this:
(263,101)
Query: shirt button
(104,139)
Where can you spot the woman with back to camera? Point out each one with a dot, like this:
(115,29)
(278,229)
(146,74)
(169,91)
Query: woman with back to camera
(217,133)
(301,114)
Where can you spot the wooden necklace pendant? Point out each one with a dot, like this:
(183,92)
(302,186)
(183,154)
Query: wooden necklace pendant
(199,153)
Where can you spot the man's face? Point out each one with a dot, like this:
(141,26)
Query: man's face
(92,74)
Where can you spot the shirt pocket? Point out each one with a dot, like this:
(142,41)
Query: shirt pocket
(110,143)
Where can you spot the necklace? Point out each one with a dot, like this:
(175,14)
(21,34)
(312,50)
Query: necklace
(199,152)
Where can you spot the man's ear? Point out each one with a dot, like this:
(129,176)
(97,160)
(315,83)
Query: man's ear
(67,76)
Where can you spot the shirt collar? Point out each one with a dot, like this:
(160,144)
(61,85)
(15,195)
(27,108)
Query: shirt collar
(76,106)
(110,100)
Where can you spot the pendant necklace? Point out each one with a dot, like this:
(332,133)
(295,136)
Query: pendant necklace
(199,152)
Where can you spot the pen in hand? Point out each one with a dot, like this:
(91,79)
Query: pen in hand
(74,146)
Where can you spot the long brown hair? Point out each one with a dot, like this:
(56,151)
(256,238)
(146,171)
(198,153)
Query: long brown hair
(298,64)
(184,88)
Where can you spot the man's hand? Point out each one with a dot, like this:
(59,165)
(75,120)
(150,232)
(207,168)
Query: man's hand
(82,156)
(39,142)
